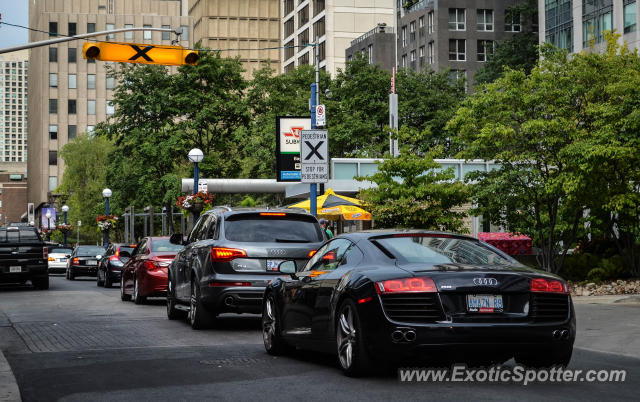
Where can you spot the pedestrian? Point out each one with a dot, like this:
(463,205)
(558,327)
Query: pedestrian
(325,226)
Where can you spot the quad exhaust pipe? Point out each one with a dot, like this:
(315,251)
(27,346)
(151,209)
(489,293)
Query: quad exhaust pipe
(229,301)
(403,335)
(558,334)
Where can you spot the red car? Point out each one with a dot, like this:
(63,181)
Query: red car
(145,273)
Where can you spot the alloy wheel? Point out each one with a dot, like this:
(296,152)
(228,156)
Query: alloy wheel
(268,324)
(135,290)
(193,305)
(346,337)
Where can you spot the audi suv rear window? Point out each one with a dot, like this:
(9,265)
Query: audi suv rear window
(285,228)
(439,250)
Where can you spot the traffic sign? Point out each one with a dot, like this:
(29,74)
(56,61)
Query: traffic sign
(140,53)
(203,186)
(321,115)
(314,156)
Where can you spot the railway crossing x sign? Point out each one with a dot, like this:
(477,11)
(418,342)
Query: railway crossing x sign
(314,156)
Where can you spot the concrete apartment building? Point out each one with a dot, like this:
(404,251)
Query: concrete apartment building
(69,95)
(13,106)
(334,22)
(13,192)
(378,45)
(452,34)
(240,28)
(576,25)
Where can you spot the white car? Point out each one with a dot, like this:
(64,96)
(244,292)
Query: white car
(58,259)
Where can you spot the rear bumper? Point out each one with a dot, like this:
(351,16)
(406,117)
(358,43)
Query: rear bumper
(28,272)
(153,283)
(80,270)
(233,299)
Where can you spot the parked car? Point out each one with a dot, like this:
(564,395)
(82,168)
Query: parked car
(145,273)
(23,256)
(57,261)
(84,261)
(231,255)
(415,294)
(110,265)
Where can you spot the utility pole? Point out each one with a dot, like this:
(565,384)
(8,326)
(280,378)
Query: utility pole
(315,100)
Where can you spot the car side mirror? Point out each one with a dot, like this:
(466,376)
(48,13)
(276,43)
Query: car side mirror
(177,239)
(287,267)
(124,254)
(99,257)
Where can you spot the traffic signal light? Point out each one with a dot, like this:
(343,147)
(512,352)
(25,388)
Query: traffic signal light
(140,53)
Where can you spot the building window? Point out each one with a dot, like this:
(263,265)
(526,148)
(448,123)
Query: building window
(129,34)
(485,49)
(318,28)
(185,32)
(457,19)
(421,55)
(485,20)
(91,81)
(73,81)
(455,75)
(289,67)
(72,54)
(91,107)
(596,19)
(412,59)
(304,59)
(53,54)
(318,6)
(53,158)
(90,129)
(110,108)
(72,132)
(303,38)
(53,80)
(111,82)
(71,106)
(289,27)
(403,63)
(412,31)
(288,6)
(53,183)
(146,35)
(430,27)
(629,16)
(53,29)
(404,36)
(53,132)
(559,23)
(512,22)
(72,29)
(91,27)
(289,50)
(457,50)
(53,106)
(303,16)
(322,52)
(109,28)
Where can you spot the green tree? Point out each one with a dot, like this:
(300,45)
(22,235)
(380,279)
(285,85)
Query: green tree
(414,192)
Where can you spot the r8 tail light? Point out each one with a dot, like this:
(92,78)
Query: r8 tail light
(406,285)
(224,254)
(541,285)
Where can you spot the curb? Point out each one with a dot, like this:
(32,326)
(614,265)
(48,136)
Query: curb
(9,391)
(607,299)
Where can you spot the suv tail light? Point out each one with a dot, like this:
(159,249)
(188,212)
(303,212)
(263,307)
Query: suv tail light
(45,253)
(224,254)
(114,257)
(541,285)
(406,285)
(76,261)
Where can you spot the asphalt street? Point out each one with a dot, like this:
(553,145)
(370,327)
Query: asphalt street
(78,342)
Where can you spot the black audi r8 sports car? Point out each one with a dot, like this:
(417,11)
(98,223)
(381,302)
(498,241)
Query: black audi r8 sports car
(401,295)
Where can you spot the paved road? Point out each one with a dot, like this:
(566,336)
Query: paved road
(77,342)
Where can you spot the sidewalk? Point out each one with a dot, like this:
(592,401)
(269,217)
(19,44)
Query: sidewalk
(9,391)
(608,299)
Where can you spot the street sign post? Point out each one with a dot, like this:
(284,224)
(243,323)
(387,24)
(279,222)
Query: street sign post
(314,156)
(321,116)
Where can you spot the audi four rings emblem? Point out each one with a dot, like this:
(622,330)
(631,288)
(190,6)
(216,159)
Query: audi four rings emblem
(277,251)
(485,281)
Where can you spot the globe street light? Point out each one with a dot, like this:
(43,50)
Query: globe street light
(196,156)
(106,193)
(48,215)
(65,209)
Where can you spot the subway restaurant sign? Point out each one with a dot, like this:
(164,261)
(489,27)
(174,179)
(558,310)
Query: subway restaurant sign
(288,130)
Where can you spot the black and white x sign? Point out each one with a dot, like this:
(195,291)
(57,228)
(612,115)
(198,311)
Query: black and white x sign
(314,146)
(141,52)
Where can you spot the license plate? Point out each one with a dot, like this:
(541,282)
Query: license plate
(91,262)
(484,303)
(62,260)
(272,265)
(15,269)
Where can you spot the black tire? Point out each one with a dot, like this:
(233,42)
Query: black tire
(123,295)
(352,354)
(66,273)
(137,297)
(199,317)
(41,283)
(172,312)
(545,359)
(98,281)
(108,282)
(271,336)
(72,277)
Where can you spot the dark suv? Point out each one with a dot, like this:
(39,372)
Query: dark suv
(231,255)
(110,265)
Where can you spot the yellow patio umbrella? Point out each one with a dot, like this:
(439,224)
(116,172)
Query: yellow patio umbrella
(333,206)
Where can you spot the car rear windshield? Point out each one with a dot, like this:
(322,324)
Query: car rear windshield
(165,245)
(89,251)
(60,251)
(440,250)
(19,235)
(129,250)
(258,228)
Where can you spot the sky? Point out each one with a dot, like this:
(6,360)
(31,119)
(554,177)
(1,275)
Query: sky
(14,12)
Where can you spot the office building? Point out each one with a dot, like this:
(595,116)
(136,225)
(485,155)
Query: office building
(378,45)
(69,95)
(578,25)
(454,35)
(333,23)
(13,106)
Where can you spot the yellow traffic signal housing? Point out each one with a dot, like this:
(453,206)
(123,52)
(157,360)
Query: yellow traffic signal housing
(140,53)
